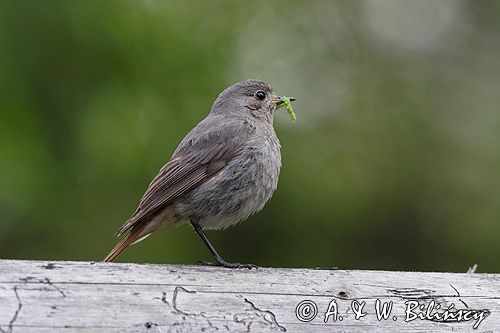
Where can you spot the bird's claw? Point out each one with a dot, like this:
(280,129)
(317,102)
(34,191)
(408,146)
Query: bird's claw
(222,263)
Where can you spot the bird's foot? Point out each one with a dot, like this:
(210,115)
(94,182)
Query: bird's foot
(222,263)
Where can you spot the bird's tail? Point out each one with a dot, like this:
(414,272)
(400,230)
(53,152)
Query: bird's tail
(135,235)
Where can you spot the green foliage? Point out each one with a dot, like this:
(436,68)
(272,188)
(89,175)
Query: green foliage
(393,164)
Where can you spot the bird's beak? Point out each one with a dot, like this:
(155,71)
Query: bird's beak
(279,99)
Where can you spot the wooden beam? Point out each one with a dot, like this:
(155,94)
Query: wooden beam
(42,296)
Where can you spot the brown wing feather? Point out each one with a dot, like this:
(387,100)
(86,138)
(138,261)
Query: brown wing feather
(123,244)
(200,156)
(163,190)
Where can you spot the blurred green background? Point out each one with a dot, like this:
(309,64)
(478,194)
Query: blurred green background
(394,162)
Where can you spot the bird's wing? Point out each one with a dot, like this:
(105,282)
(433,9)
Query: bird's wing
(203,153)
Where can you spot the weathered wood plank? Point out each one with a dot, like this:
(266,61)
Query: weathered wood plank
(38,296)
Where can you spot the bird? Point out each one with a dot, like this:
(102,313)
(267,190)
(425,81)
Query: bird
(224,170)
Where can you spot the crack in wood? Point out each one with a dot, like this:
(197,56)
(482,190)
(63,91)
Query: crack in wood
(174,305)
(50,283)
(50,265)
(273,322)
(16,314)
(29,279)
(413,293)
(174,302)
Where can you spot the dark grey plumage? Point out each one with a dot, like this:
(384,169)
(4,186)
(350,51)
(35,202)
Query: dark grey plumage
(224,170)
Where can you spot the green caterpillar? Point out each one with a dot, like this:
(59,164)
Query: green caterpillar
(288,104)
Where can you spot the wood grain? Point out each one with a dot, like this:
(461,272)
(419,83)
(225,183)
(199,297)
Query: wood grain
(40,296)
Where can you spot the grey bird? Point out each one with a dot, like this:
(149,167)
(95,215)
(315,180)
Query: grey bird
(223,171)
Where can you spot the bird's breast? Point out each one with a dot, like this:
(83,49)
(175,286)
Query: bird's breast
(242,188)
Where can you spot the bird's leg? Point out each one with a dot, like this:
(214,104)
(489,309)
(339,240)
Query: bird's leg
(218,259)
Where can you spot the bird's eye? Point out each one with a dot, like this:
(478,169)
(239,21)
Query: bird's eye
(260,95)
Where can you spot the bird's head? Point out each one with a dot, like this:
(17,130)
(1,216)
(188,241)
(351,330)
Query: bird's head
(252,98)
